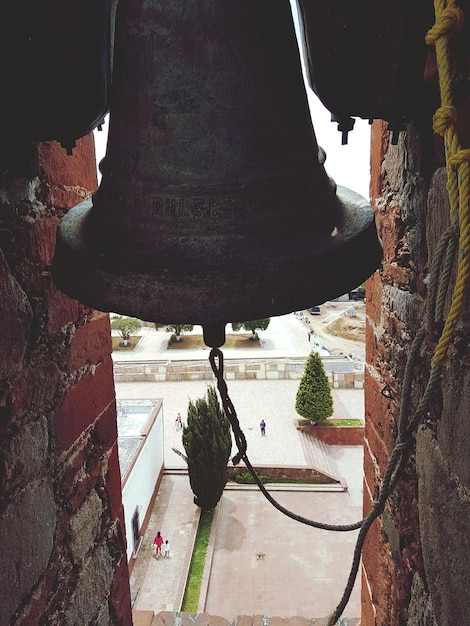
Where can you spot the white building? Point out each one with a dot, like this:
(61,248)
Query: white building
(141,458)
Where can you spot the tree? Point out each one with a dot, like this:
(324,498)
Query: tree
(177,329)
(208,443)
(252,326)
(125,326)
(314,400)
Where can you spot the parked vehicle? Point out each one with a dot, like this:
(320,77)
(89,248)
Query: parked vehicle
(314,310)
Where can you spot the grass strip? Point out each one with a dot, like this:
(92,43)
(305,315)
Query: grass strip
(198,560)
(341,422)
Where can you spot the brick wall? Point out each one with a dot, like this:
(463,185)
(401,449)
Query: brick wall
(413,565)
(394,304)
(62,542)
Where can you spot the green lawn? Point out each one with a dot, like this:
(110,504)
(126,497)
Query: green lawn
(196,569)
(341,422)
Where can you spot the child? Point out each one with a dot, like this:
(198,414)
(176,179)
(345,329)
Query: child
(166,550)
(157,542)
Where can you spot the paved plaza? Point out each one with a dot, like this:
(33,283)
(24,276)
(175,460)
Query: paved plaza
(261,561)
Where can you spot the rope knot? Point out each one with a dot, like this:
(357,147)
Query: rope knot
(448,24)
(443,118)
(460,157)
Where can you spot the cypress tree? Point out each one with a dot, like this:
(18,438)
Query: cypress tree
(207,442)
(314,400)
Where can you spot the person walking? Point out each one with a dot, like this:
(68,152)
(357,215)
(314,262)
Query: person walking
(158,542)
(166,549)
(262,426)
(178,422)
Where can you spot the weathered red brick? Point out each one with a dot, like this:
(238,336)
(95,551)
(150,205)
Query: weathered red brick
(374,298)
(39,240)
(105,433)
(380,411)
(70,178)
(121,612)
(91,342)
(380,569)
(377,446)
(371,471)
(83,472)
(371,346)
(113,483)
(83,404)
(396,275)
(367,607)
(61,310)
(378,148)
(33,390)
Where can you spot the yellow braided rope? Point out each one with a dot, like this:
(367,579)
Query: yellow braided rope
(449,20)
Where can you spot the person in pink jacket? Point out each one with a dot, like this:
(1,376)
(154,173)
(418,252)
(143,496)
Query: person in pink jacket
(158,542)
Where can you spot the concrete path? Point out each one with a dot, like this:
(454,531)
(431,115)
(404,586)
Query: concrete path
(248,525)
(262,561)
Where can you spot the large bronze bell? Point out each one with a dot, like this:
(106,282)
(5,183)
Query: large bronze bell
(214,204)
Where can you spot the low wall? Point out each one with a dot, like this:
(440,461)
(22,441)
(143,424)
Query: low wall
(256,369)
(285,472)
(335,435)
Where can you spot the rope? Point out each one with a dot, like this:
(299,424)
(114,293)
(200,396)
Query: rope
(448,24)
(439,283)
(437,290)
(449,20)
(216,360)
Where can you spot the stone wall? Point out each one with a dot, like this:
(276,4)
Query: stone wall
(276,369)
(62,541)
(414,556)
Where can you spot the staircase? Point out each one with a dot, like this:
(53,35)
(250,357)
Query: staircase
(317,454)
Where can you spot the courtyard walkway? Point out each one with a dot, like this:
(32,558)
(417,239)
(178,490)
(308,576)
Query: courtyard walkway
(310,566)
(261,562)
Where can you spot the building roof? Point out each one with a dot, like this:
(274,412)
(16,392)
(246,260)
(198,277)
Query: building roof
(134,418)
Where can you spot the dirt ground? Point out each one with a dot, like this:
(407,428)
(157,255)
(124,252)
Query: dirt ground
(340,327)
(189,342)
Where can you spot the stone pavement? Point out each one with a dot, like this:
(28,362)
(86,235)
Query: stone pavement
(262,561)
(158,584)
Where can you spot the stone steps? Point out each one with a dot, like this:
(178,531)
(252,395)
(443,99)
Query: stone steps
(317,454)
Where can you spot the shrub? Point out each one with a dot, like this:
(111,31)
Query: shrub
(252,326)
(207,443)
(125,326)
(245,478)
(314,400)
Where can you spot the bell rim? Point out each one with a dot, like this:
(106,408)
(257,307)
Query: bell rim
(219,295)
